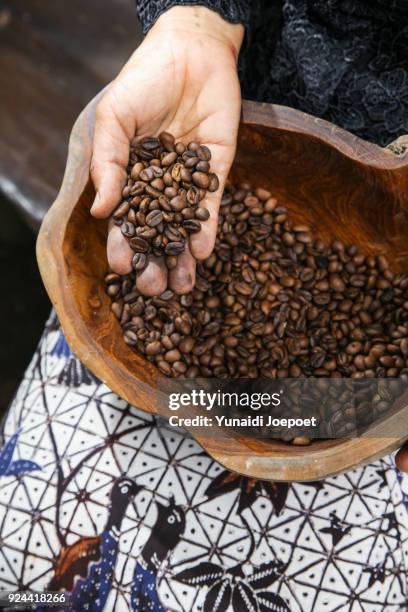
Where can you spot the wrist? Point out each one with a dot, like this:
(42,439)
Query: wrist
(201,21)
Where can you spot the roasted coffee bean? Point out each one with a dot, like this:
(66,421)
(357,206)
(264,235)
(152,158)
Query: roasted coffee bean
(201,179)
(172,234)
(179,147)
(112,277)
(139,262)
(137,188)
(174,248)
(337,284)
(127,229)
(203,153)
(176,172)
(167,140)
(193,196)
(169,158)
(154,218)
(136,170)
(202,166)
(140,245)
(158,184)
(187,213)
(214,182)
(304,237)
(185,176)
(192,226)
(170,192)
(191,161)
(148,233)
(149,143)
(288,239)
(121,210)
(243,288)
(153,348)
(147,174)
(202,214)
(186,344)
(113,290)
(117,308)
(354,348)
(172,355)
(178,203)
(152,192)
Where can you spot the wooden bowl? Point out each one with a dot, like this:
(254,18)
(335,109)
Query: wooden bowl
(347,188)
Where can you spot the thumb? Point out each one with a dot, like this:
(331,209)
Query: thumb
(110,156)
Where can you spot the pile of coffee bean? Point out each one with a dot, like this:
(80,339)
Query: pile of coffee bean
(161,199)
(272,301)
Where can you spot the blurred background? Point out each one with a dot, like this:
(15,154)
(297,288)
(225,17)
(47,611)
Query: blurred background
(54,57)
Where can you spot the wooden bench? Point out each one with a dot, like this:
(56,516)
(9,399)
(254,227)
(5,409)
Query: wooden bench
(54,57)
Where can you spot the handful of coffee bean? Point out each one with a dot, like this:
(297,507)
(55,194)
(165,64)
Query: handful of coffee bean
(161,200)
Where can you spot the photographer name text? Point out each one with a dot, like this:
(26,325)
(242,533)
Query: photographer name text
(250,421)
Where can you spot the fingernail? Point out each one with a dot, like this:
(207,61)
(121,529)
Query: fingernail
(95,202)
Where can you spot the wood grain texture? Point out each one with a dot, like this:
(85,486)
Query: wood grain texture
(54,57)
(344,187)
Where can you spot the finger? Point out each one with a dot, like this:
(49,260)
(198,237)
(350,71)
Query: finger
(153,279)
(182,278)
(202,243)
(118,250)
(401,459)
(110,156)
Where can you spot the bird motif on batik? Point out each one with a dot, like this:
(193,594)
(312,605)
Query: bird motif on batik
(86,568)
(165,535)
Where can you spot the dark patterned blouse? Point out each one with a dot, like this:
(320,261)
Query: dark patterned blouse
(342,60)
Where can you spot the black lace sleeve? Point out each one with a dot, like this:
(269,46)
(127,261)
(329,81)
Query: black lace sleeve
(235,11)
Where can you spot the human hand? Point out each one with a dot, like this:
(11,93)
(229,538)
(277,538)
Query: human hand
(183,80)
(401,458)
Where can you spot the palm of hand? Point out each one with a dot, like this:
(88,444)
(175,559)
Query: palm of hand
(175,86)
